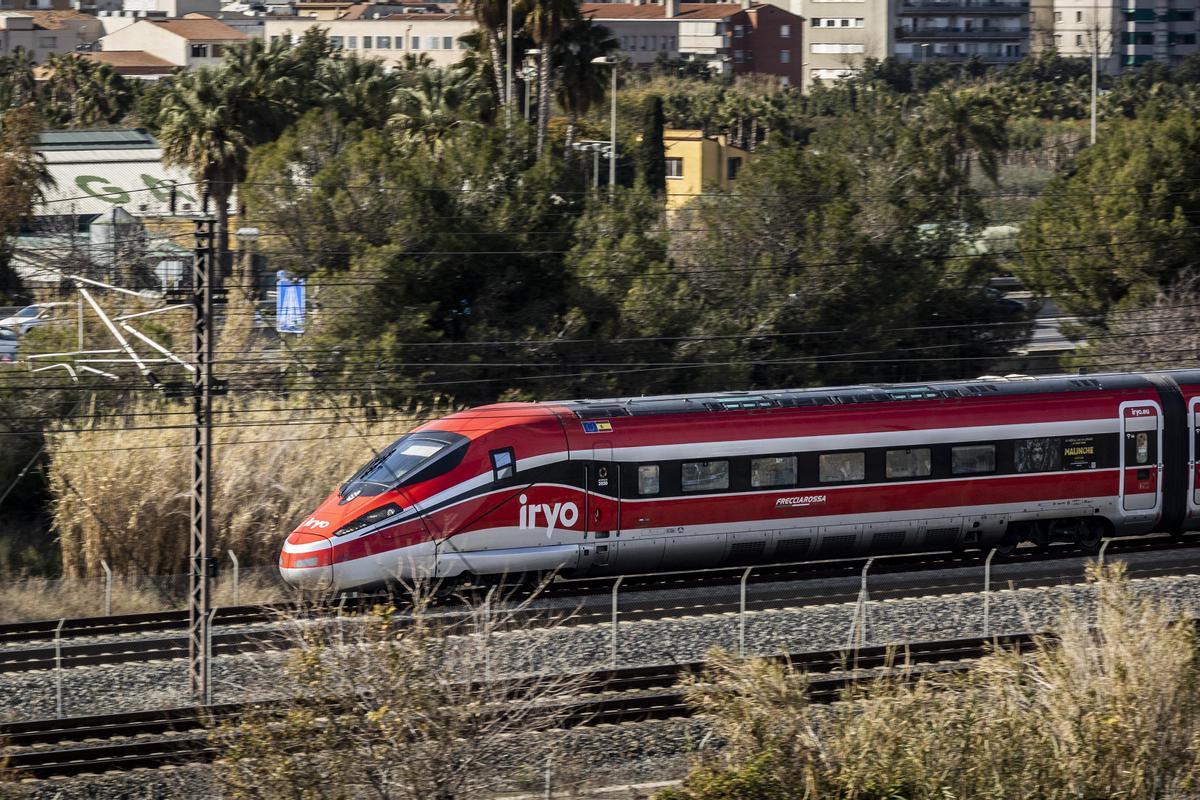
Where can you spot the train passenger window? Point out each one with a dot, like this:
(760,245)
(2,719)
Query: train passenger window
(973,459)
(503,464)
(1037,455)
(648,479)
(775,471)
(914,463)
(705,476)
(836,467)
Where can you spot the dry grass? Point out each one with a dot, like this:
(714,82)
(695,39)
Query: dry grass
(121,492)
(1108,708)
(30,599)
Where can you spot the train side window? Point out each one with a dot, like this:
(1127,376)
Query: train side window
(838,467)
(973,459)
(648,479)
(503,464)
(705,476)
(913,463)
(774,471)
(1037,455)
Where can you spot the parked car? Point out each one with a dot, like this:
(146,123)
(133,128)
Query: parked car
(30,317)
(8,345)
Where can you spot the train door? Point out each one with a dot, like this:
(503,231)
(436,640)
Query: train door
(1141,426)
(1193,417)
(604,505)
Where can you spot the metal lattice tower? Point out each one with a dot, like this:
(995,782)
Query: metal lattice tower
(203,276)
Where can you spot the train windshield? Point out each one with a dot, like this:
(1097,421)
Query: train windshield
(402,459)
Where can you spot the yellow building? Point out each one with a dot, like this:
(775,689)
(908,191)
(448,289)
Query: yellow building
(697,163)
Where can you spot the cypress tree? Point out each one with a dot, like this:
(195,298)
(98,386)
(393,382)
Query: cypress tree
(651,152)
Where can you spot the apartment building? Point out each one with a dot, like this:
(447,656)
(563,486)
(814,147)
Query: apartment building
(729,38)
(993,31)
(840,34)
(194,41)
(40,38)
(388,37)
(1125,36)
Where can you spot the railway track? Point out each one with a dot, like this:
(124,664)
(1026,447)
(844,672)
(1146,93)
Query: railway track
(773,586)
(124,741)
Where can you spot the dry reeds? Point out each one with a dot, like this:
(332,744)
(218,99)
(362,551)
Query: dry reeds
(121,484)
(1109,707)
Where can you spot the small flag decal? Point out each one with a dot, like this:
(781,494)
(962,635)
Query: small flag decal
(601,426)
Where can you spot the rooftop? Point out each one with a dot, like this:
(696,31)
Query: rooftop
(104,139)
(124,59)
(687,11)
(199,27)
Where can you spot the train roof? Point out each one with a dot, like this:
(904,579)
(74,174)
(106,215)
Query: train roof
(874,393)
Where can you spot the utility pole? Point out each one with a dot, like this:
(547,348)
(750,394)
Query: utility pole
(199,562)
(1095,64)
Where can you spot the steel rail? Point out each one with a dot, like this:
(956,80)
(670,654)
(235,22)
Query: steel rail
(186,739)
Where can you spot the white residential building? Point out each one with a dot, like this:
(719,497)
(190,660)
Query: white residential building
(388,38)
(193,41)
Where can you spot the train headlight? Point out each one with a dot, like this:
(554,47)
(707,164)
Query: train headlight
(370,518)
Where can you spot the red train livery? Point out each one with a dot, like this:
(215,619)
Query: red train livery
(690,481)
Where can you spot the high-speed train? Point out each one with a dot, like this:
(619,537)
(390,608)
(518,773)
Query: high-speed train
(591,487)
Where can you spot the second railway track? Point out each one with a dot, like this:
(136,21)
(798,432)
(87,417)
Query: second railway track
(93,744)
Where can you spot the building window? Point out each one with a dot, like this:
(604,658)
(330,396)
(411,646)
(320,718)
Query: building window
(913,463)
(739,56)
(839,467)
(732,167)
(705,476)
(816,22)
(648,479)
(1058,40)
(416,43)
(1079,16)
(199,51)
(447,42)
(47,42)
(739,31)
(1058,16)
(674,167)
(1079,40)
(351,42)
(973,459)
(785,31)
(785,56)
(780,471)
(366,43)
(383,42)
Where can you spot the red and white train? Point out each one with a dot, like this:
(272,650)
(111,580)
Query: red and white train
(659,483)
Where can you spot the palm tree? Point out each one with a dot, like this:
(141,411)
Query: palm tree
(202,128)
(582,84)
(17,85)
(492,18)
(82,93)
(438,102)
(961,126)
(357,90)
(546,19)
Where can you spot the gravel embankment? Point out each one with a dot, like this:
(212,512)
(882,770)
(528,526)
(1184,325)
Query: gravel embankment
(110,688)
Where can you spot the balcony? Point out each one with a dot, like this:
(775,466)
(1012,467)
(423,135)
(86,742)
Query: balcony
(957,32)
(963,6)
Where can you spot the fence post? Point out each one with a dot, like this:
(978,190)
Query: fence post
(58,668)
(987,593)
(107,588)
(1103,546)
(487,634)
(858,626)
(549,774)
(615,589)
(742,613)
(212,615)
(237,588)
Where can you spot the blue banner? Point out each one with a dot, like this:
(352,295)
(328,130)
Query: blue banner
(289,304)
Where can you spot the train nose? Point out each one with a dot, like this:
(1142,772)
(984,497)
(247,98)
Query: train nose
(307,561)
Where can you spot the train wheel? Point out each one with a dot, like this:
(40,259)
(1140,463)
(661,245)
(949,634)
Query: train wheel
(1089,533)
(1040,534)
(1008,545)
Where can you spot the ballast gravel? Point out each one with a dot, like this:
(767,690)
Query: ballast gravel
(160,684)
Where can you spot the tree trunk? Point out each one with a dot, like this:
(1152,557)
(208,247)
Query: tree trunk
(544,91)
(572,122)
(499,74)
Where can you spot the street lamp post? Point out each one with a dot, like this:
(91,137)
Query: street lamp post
(612,147)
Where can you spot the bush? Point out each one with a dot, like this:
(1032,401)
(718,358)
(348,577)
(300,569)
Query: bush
(1107,707)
